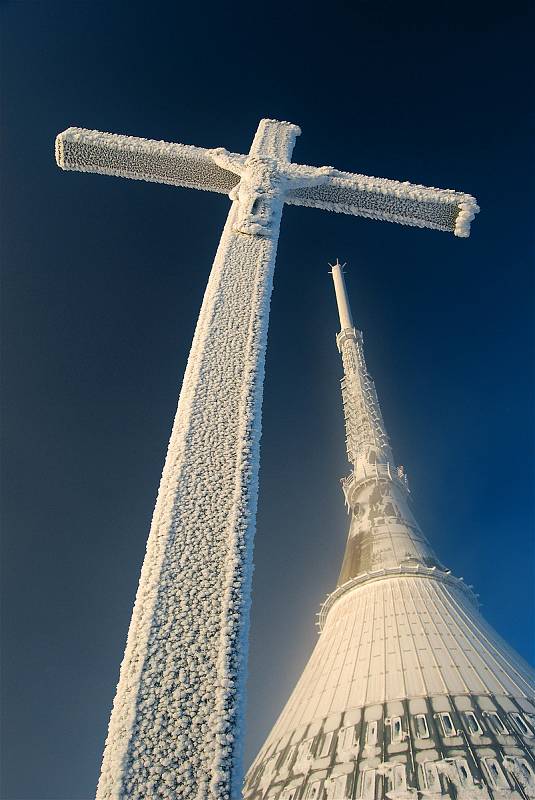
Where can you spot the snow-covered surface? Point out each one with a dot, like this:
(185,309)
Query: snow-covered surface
(264,183)
(390,201)
(177,720)
(177,716)
(141,159)
(266,179)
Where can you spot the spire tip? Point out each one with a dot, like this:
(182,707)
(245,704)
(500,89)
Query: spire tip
(340,266)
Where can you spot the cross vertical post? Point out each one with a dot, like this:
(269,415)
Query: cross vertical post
(179,700)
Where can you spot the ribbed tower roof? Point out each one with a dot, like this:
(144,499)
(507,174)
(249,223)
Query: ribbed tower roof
(408,692)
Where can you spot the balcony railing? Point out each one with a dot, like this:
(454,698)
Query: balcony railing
(368,472)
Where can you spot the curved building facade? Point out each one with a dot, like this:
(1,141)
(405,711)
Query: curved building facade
(408,693)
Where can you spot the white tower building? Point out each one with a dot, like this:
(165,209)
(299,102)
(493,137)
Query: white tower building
(408,693)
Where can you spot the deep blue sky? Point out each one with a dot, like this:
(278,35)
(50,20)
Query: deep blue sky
(103,278)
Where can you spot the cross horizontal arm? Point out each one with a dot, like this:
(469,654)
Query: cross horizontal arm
(391,201)
(142,159)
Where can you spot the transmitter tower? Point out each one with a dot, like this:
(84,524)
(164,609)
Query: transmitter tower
(408,693)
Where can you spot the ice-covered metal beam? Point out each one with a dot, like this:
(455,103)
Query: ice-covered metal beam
(220,171)
(142,159)
(390,201)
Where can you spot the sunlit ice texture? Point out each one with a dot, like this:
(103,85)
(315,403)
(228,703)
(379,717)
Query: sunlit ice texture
(196,167)
(177,721)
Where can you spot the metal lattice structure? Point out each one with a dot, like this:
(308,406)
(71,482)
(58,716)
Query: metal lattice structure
(363,418)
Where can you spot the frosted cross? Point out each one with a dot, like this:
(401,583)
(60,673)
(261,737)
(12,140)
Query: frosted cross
(177,720)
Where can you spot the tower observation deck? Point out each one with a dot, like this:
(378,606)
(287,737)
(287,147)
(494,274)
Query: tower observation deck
(408,693)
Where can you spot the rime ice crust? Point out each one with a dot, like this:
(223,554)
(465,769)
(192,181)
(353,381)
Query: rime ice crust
(179,699)
(141,159)
(177,720)
(217,170)
(391,201)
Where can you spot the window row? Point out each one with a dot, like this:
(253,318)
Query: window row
(346,741)
(433,777)
(493,719)
(298,758)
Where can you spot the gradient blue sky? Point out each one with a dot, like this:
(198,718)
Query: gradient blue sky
(103,278)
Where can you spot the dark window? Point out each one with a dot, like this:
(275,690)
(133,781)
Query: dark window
(521,724)
(496,723)
(447,724)
(471,722)
(422,731)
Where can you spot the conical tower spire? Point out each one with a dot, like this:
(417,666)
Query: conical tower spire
(408,694)
(365,429)
(383,533)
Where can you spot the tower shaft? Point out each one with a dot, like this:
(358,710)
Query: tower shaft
(366,437)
